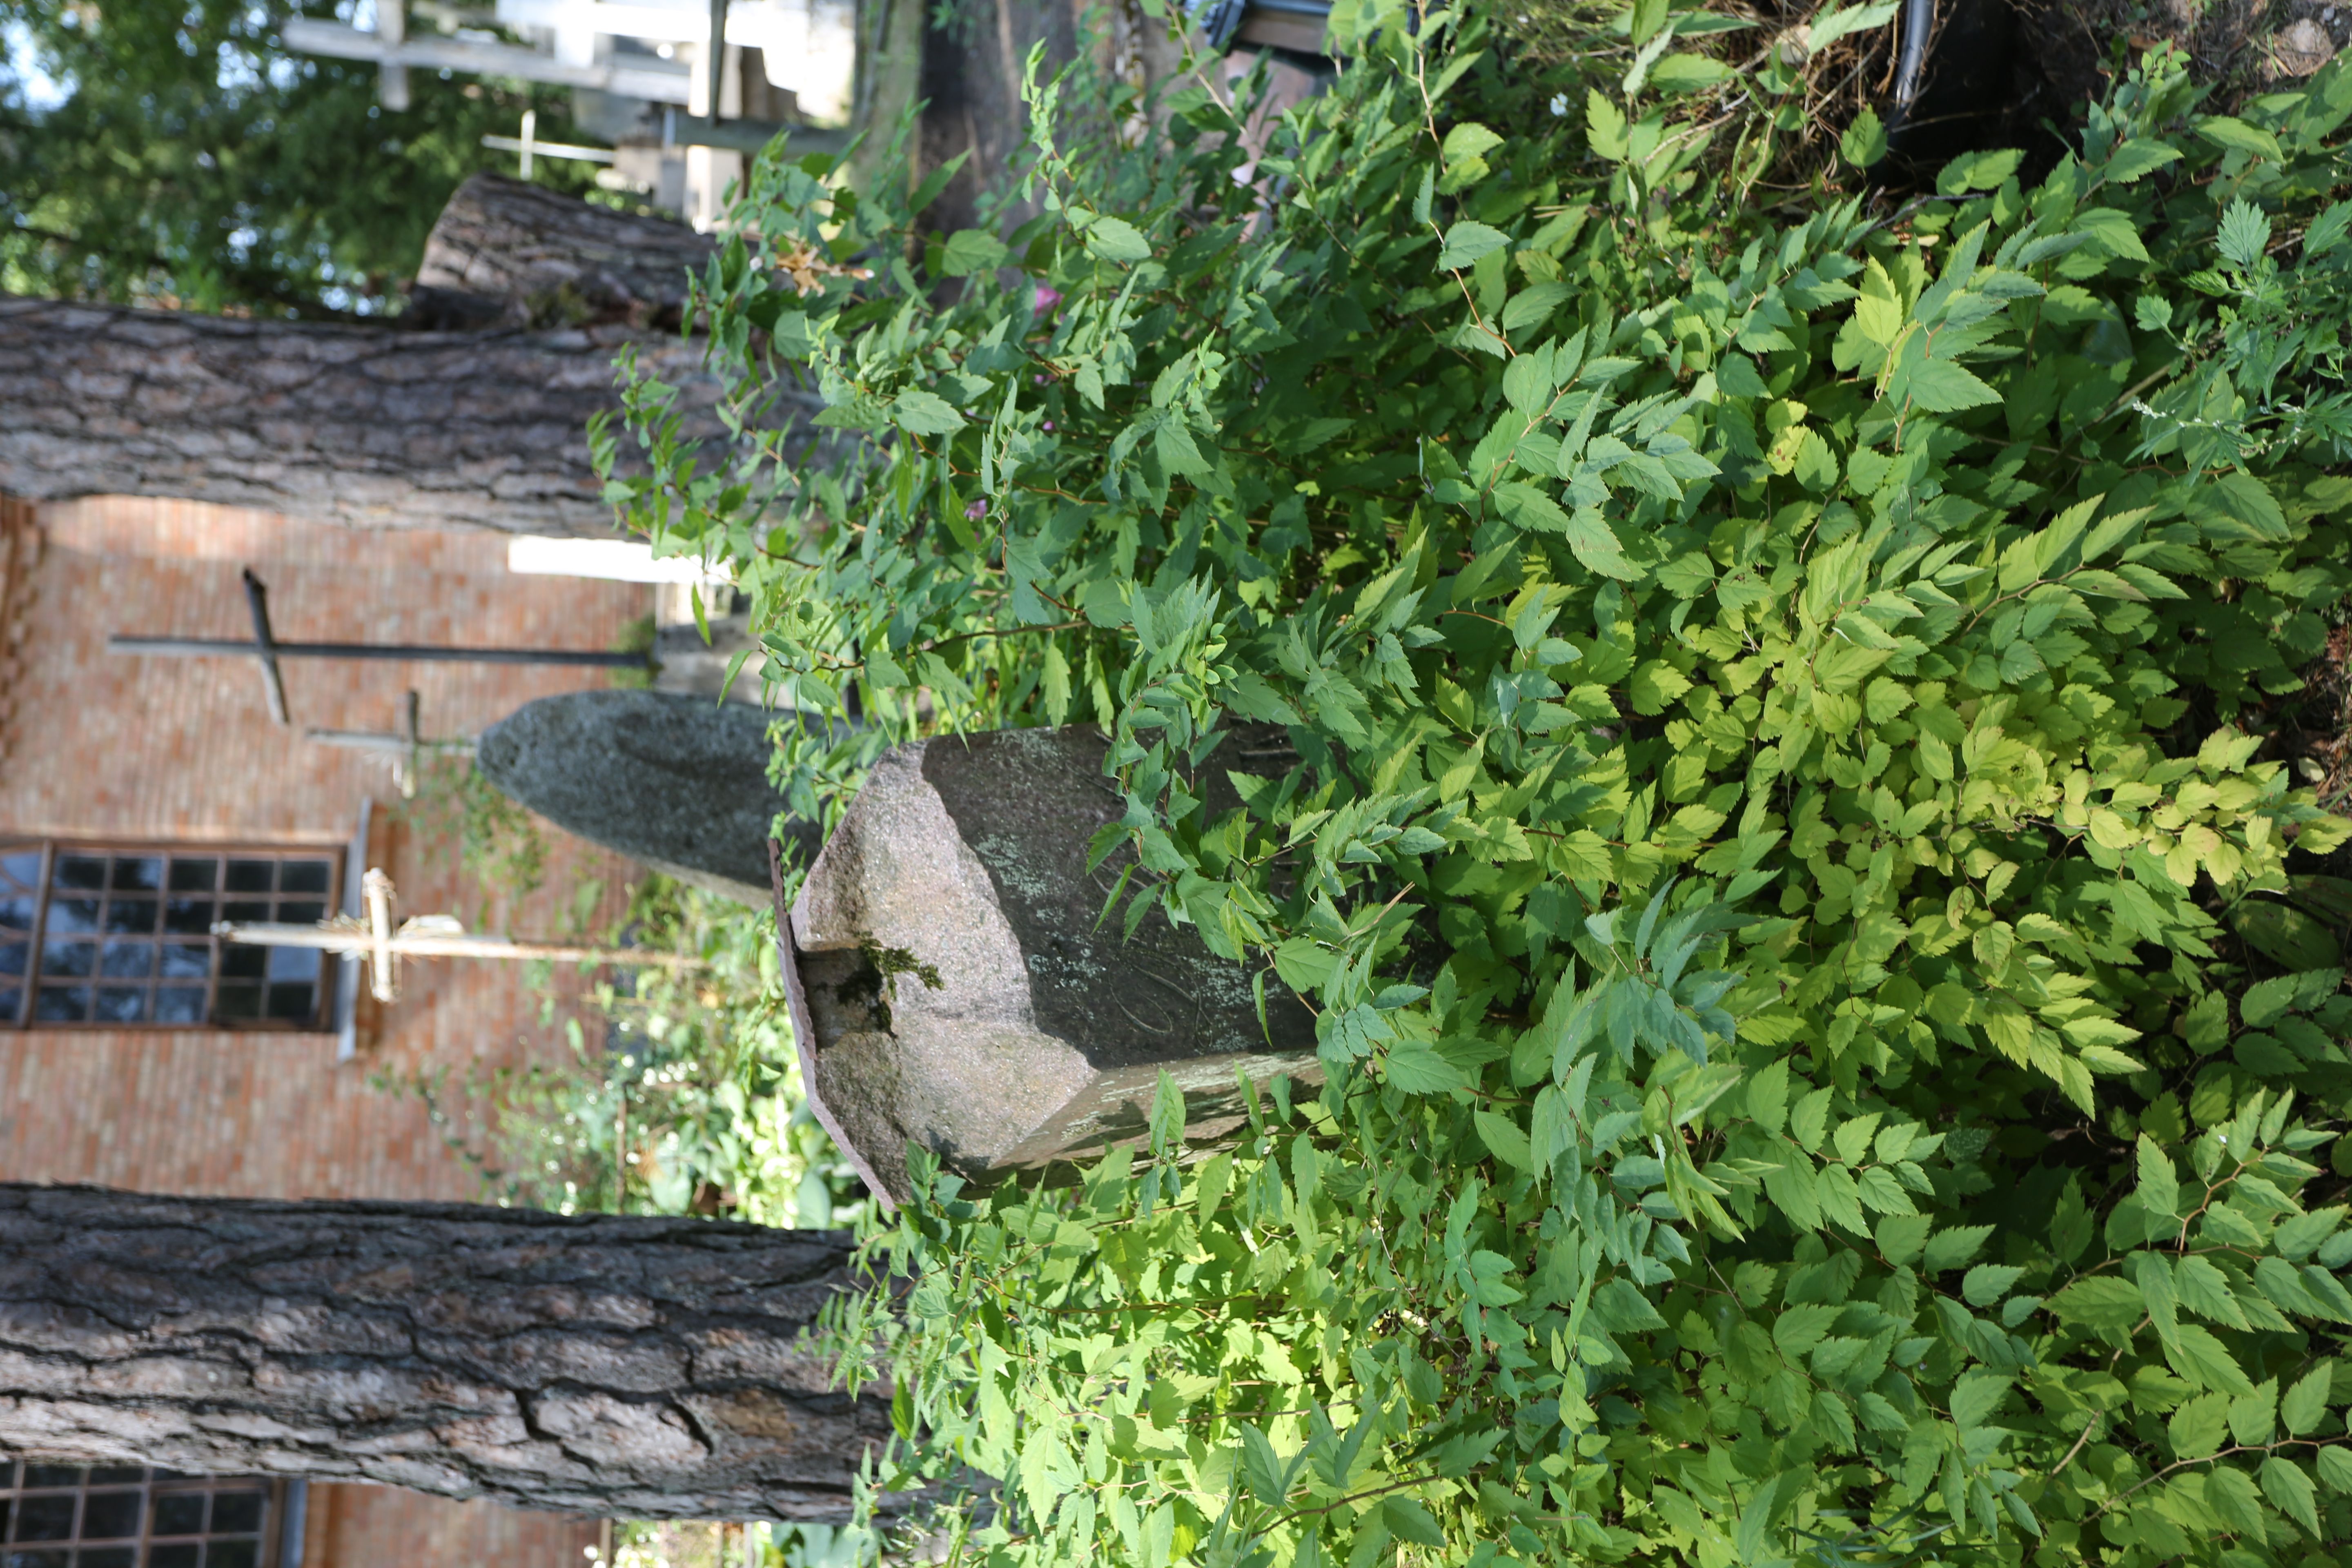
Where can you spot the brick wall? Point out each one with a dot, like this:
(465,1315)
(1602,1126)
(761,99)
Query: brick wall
(103,745)
(383,1527)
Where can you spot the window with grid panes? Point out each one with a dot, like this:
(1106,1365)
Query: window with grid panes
(57,1515)
(120,936)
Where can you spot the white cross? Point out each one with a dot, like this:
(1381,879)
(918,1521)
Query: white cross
(376,939)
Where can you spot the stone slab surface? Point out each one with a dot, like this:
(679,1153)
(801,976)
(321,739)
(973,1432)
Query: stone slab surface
(678,782)
(954,983)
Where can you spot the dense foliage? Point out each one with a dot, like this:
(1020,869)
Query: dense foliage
(681,1093)
(186,159)
(1830,999)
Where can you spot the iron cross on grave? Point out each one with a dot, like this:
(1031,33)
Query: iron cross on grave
(266,650)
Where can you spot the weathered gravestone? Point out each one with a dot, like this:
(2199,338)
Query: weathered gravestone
(678,782)
(954,983)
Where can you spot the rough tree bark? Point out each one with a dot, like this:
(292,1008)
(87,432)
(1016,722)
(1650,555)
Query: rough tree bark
(372,426)
(972,64)
(507,252)
(646,1368)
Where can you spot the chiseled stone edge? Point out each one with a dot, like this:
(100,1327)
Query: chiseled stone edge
(1110,1111)
(788,958)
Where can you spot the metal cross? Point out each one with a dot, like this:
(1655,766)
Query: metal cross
(405,747)
(266,649)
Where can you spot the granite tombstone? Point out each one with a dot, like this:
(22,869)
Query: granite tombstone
(954,982)
(678,782)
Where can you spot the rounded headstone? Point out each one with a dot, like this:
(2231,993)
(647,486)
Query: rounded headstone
(679,783)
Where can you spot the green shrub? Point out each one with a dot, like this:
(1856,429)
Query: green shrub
(489,836)
(685,1098)
(1830,1012)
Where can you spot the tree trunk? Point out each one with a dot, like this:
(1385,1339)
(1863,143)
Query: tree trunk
(646,1368)
(369,426)
(974,59)
(512,253)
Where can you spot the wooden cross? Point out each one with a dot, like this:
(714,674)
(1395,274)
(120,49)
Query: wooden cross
(529,146)
(655,81)
(376,939)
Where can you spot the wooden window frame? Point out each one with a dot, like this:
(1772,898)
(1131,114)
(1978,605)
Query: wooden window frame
(45,893)
(270,1538)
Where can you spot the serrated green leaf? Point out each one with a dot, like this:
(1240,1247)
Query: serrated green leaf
(920,412)
(2230,1493)
(1417,1069)
(968,250)
(1116,239)
(2205,1362)
(1409,1521)
(2101,1303)
(1863,143)
(1987,1283)
(2305,1406)
(2284,1483)
(1466,242)
(1505,1140)
(1942,386)
(1950,1248)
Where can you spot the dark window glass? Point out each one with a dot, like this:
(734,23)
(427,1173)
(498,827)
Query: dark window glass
(130,916)
(180,1513)
(46,1517)
(294,963)
(55,1557)
(179,1554)
(117,1475)
(293,1003)
(109,1557)
(188,917)
(122,1004)
(72,915)
(231,1555)
(58,1005)
(177,1005)
(140,923)
(236,1513)
(109,1516)
(187,961)
(69,958)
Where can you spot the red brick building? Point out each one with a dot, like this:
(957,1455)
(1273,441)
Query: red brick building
(142,797)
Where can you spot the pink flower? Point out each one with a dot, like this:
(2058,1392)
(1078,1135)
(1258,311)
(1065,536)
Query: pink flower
(1049,425)
(975,511)
(1047,299)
